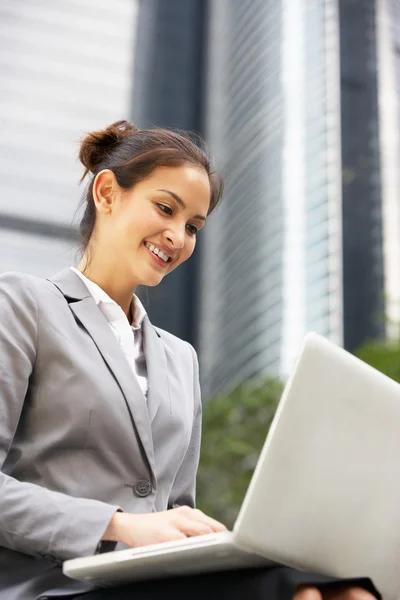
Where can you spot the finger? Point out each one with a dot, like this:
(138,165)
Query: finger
(198,515)
(170,534)
(191,527)
(203,518)
(308,593)
(346,593)
(165,534)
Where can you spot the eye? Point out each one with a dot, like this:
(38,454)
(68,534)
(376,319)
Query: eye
(192,229)
(165,209)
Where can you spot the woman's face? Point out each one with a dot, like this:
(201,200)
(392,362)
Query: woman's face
(151,229)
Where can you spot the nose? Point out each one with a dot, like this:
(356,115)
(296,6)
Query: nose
(176,236)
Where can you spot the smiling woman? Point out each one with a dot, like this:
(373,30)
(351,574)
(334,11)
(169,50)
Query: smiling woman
(100,411)
(150,194)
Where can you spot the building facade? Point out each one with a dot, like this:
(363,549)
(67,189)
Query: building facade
(362,240)
(295,115)
(388,59)
(65,68)
(241,302)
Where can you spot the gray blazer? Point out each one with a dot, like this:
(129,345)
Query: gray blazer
(77,438)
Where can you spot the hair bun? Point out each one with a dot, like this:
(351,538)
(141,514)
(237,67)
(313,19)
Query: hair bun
(97,144)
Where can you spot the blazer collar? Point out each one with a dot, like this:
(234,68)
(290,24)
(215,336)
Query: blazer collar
(157,373)
(70,285)
(88,314)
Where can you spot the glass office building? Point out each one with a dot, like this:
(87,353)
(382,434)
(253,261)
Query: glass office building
(362,240)
(241,292)
(65,68)
(388,58)
(295,117)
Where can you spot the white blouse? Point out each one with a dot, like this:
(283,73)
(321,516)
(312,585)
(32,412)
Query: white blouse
(129,335)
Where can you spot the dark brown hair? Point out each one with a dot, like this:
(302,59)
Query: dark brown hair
(132,154)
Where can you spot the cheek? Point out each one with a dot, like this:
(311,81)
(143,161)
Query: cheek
(185,254)
(134,228)
(188,249)
(147,225)
(124,226)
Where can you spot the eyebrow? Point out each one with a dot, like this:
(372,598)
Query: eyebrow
(181,203)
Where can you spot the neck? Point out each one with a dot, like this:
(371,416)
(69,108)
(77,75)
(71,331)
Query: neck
(111,280)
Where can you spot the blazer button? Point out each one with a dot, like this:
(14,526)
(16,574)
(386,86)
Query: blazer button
(142,488)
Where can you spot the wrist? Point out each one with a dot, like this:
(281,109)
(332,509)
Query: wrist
(112,533)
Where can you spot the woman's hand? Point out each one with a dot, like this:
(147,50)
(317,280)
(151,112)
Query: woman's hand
(153,528)
(336,593)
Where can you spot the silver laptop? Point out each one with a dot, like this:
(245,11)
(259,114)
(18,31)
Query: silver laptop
(325,494)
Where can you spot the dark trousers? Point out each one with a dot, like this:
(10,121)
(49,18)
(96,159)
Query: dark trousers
(276,583)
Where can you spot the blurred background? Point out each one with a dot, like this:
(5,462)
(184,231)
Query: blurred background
(299,101)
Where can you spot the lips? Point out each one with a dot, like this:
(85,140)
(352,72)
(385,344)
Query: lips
(159,262)
(157,251)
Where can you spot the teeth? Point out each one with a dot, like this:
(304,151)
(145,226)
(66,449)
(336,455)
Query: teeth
(157,252)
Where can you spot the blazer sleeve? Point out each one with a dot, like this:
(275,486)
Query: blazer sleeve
(184,488)
(33,519)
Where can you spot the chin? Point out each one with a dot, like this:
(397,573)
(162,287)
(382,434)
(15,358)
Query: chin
(152,281)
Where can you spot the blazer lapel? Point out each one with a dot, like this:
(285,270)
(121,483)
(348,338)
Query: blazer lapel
(156,363)
(88,314)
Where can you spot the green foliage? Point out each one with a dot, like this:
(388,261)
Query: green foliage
(234,429)
(384,356)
